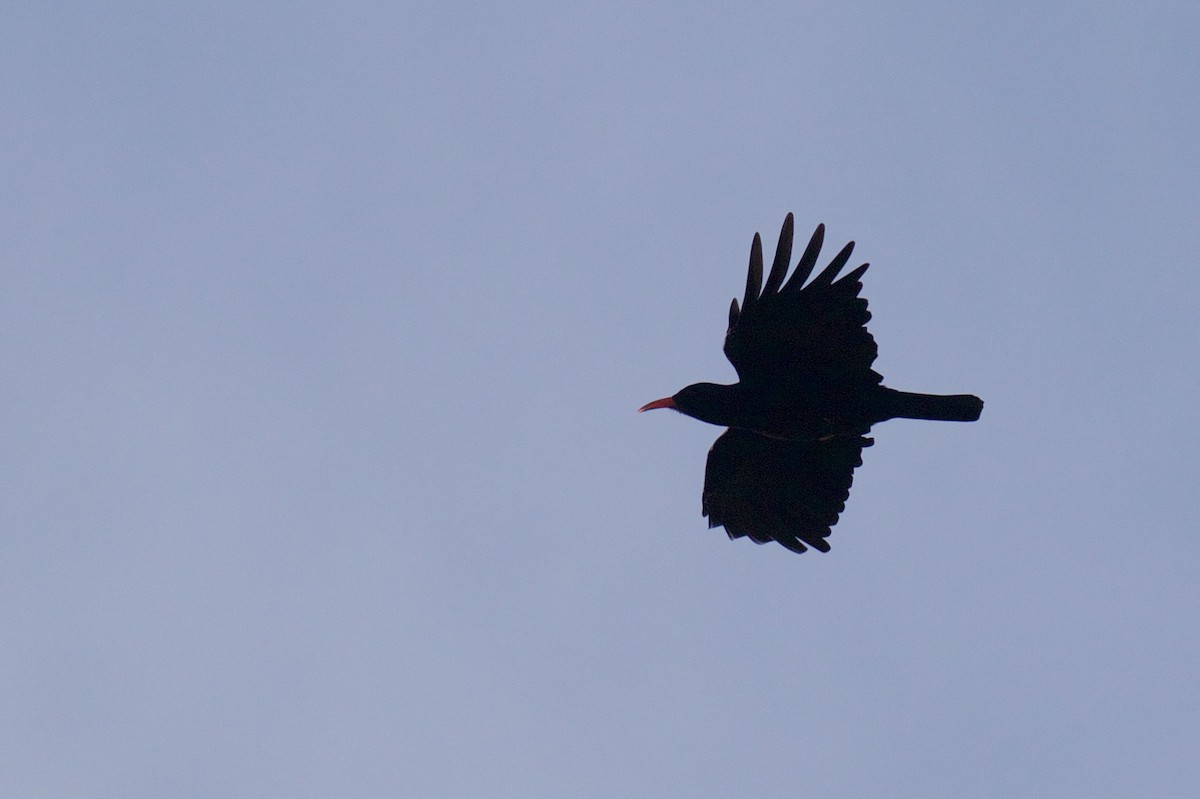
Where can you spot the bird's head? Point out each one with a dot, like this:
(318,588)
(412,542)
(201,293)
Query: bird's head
(708,402)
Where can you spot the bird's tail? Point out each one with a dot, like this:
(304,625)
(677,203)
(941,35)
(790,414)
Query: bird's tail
(936,407)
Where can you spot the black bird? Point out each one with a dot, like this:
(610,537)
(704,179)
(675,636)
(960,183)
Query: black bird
(806,398)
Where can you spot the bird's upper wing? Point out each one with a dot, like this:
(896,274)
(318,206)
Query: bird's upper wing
(773,490)
(798,333)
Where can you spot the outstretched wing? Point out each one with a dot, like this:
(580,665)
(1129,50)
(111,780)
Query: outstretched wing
(773,490)
(801,334)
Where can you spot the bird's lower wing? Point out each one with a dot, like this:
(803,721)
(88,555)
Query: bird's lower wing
(786,491)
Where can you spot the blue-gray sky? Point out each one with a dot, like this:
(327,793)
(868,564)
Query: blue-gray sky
(322,329)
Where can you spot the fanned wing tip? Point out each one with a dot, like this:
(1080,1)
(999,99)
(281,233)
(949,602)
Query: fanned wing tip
(783,257)
(794,545)
(853,277)
(754,273)
(733,313)
(816,542)
(830,272)
(807,261)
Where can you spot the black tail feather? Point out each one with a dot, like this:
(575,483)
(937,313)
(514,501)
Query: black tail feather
(935,407)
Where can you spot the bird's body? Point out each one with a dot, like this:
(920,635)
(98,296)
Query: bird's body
(806,397)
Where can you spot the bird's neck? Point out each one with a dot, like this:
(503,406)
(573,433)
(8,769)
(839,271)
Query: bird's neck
(718,404)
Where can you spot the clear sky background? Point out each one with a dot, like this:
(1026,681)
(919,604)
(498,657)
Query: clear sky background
(322,329)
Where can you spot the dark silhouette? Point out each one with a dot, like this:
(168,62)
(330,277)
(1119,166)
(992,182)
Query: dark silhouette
(805,399)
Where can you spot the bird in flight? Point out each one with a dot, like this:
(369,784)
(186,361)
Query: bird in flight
(805,399)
